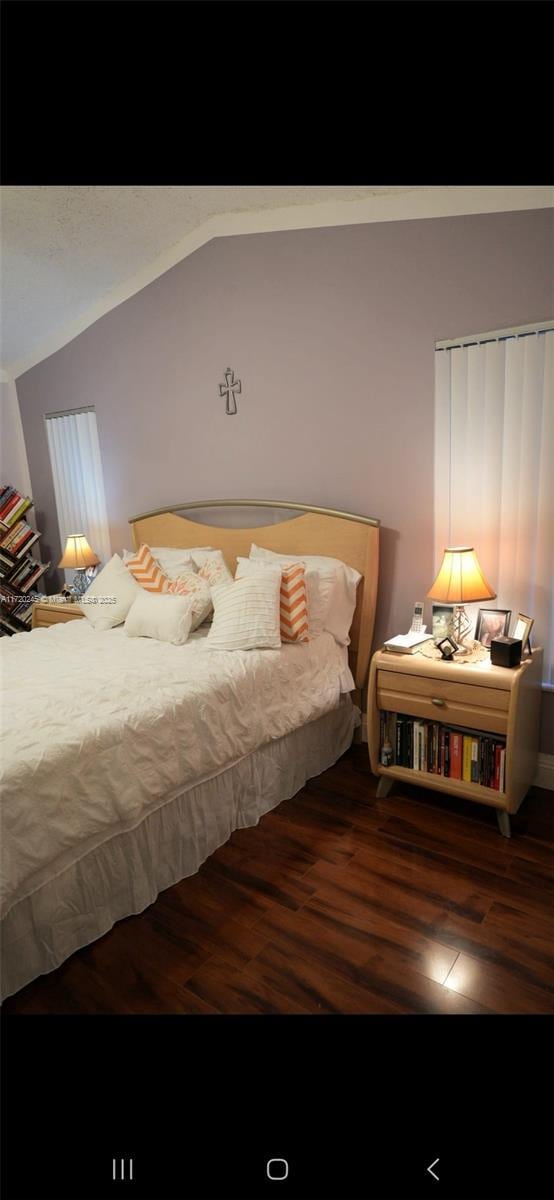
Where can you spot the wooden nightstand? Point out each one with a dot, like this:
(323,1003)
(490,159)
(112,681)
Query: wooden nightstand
(52,614)
(475,696)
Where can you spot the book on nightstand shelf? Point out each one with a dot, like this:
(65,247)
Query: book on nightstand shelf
(452,752)
(19,571)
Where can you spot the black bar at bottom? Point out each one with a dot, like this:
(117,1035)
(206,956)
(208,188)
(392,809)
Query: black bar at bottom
(225,1107)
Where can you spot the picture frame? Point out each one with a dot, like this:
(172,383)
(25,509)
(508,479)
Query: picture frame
(522,630)
(442,621)
(447,647)
(492,623)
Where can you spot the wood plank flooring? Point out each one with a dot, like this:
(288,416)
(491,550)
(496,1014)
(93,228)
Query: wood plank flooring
(338,903)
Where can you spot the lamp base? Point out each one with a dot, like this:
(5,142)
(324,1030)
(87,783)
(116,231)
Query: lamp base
(462,626)
(81,581)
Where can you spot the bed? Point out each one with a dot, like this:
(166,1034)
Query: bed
(129,761)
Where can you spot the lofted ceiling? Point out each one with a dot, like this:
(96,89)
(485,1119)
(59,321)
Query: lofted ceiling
(68,251)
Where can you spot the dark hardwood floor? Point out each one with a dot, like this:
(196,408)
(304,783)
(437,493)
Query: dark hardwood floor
(338,903)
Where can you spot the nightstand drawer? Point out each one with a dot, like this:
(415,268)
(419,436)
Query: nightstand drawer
(443,700)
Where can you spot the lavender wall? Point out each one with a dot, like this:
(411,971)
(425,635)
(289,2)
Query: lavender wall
(332,334)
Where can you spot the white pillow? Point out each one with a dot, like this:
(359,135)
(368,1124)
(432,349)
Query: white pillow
(174,563)
(110,595)
(247,614)
(167,555)
(201,568)
(319,586)
(201,555)
(331,590)
(157,615)
(247,567)
(215,570)
(199,591)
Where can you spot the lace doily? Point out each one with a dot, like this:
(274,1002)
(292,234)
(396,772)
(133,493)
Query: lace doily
(474,653)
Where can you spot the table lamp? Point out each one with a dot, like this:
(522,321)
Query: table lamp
(460,581)
(79,557)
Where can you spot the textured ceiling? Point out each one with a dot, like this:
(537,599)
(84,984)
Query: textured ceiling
(69,254)
(65,248)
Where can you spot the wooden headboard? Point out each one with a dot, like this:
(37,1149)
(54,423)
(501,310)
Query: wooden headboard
(311,530)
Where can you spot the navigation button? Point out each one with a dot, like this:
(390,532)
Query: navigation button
(277,1168)
(122,1170)
(431,1169)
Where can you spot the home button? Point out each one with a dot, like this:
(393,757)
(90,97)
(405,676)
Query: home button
(277,1168)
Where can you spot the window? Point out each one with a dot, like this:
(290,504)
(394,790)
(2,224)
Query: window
(78,481)
(494,480)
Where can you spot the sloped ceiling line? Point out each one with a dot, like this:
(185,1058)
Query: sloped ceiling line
(399,205)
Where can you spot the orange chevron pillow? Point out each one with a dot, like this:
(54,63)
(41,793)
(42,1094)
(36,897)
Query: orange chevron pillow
(294,604)
(293,609)
(147,572)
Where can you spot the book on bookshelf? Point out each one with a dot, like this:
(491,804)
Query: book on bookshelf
(19,571)
(450,751)
(14,603)
(456,755)
(10,625)
(36,574)
(12,506)
(496,775)
(475,760)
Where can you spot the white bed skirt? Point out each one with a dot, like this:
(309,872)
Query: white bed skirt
(124,876)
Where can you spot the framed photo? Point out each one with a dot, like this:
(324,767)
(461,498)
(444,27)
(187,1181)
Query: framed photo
(492,623)
(522,630)
(447,647)
(442,625)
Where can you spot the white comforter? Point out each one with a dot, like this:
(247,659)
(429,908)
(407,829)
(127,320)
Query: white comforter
(100,729)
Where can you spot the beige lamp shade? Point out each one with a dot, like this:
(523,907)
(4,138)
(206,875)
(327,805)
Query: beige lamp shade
(78,554)
(460,579)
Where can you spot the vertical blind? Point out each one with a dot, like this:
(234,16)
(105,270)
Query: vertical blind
(78,480)
(494,468)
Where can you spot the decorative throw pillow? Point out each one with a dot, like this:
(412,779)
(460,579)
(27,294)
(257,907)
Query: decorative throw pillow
(147,571)
(331,589)
(108,599)
(165,618)
(175,563)
(246,614)
(215,570)
(294,604)
(195,587)
(293,598)
(200,555)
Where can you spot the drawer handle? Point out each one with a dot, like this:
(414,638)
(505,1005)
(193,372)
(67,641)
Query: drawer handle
(436,700)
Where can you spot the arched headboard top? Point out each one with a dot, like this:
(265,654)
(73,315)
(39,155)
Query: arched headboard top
(352,538)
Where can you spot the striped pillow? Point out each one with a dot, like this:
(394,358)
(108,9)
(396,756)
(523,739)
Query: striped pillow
(294,604)
(147,572)
(246,614)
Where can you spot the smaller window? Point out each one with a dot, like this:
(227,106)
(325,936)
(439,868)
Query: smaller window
(78,481)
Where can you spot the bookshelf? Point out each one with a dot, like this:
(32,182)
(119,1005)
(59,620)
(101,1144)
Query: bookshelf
(19,571)
(497,705)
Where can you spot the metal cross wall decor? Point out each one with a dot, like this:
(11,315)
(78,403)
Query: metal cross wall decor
(229,388)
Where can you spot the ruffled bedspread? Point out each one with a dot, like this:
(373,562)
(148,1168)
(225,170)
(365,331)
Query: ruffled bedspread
(99,730)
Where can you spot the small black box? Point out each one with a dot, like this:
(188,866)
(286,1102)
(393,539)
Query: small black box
(506,652)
